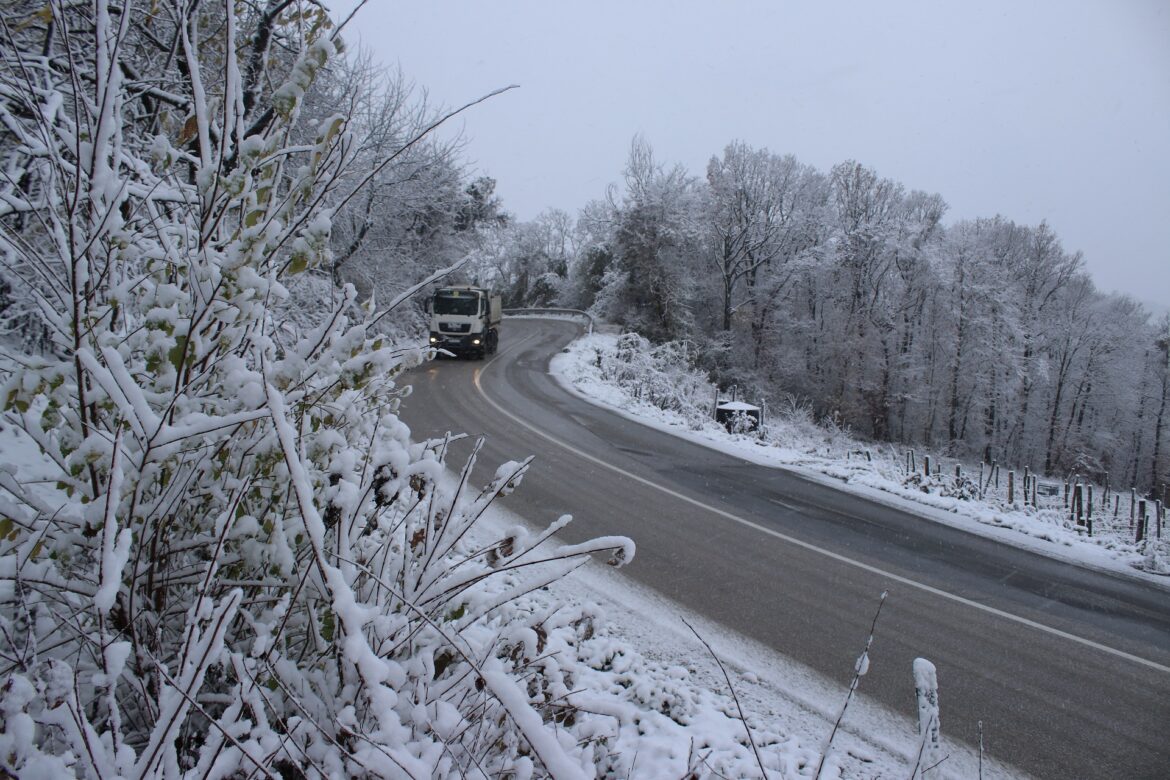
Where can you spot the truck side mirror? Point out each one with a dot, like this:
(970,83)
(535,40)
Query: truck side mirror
(427,305)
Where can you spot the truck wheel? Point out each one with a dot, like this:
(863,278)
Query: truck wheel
(493,342)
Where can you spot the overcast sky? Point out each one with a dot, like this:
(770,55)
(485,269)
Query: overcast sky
(1056,110)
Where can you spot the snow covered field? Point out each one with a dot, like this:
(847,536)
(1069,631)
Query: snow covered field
(831,456)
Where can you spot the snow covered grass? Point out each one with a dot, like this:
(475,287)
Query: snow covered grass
(655,386)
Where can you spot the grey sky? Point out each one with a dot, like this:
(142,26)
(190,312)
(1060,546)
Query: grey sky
(1034,110)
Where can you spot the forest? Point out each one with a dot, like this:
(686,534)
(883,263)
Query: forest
(981,339)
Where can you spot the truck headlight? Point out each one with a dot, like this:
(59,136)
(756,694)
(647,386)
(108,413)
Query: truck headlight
(434,339)
(475,341)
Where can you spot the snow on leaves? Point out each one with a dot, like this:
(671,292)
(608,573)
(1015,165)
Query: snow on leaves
(240,563)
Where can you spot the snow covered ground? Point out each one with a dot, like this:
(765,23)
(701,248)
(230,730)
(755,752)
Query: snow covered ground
(830,456)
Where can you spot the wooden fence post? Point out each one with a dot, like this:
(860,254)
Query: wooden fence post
(1011,487)
(1140,534)
(1087,502)
(926,464)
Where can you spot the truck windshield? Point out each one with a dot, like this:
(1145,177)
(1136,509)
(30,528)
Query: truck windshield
(463,304)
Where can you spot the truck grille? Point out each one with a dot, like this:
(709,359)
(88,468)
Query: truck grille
(455,327)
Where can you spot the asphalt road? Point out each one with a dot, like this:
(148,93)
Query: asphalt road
(1068,669)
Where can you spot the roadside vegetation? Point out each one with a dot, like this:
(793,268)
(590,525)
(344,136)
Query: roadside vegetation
(1070,518)
(221,553)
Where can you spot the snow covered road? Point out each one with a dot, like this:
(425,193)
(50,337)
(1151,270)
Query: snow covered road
(1068,669)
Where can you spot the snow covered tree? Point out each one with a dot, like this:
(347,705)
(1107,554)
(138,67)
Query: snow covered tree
(753,203)
(1160,369)
(528,262)
(657,247)
(417,214)
(593,257)
(229,559)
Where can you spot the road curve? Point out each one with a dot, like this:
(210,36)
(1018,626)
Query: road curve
(1068,669)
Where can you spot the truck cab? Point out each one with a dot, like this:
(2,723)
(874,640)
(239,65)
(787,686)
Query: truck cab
(465,320)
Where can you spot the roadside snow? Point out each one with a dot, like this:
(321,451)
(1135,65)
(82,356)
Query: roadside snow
(876,472)
(665,709)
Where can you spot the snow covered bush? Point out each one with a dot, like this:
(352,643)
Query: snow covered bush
(240,565)
(961,487)
(659,375)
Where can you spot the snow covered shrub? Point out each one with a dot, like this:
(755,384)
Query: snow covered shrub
(659,375)
(947,485)
(796,417)
(241,565)
(742,423)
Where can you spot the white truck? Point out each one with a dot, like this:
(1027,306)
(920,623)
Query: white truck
(465,320)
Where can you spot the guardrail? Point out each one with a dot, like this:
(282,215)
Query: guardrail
(567,312)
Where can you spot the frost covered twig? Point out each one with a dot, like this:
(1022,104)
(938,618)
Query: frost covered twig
(738,706)
(859,671)
(235,562)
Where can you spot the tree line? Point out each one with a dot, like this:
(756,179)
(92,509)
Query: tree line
(983,338)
